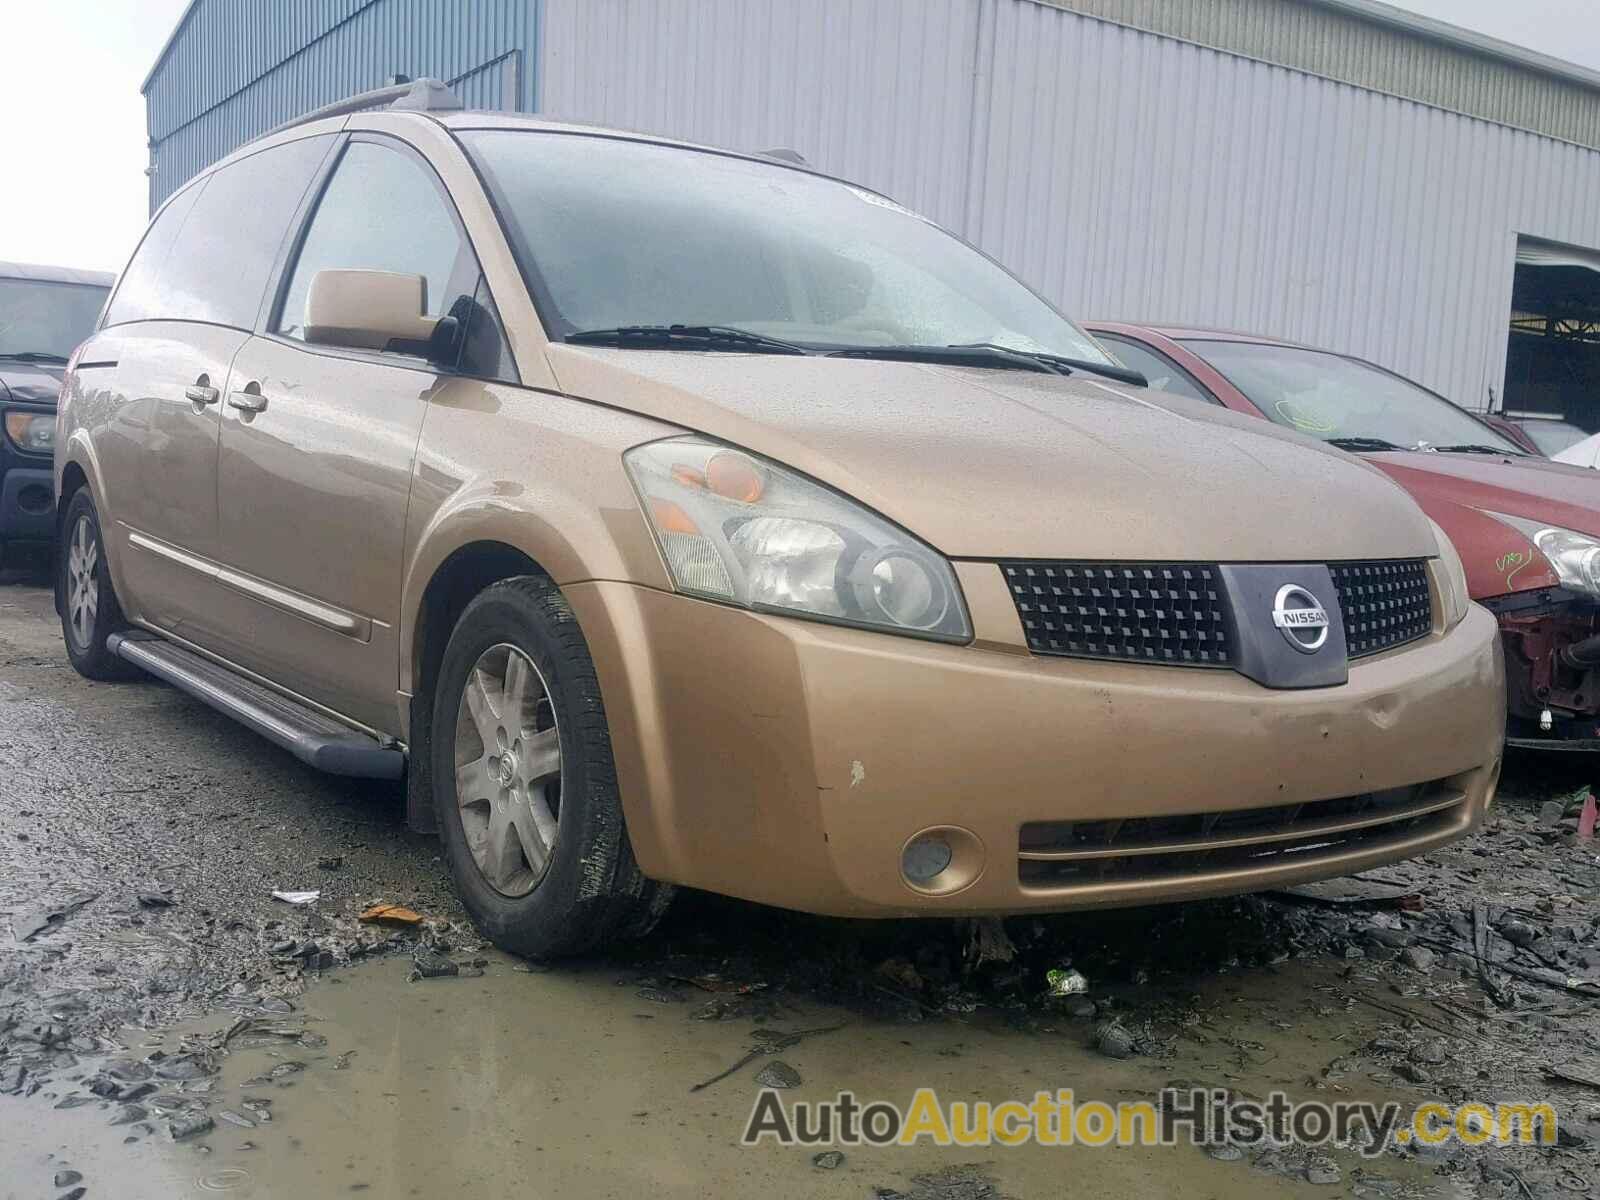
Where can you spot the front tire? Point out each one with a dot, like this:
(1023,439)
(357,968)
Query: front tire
(523,780)
(88,603)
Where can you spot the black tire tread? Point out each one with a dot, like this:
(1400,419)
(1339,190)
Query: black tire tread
(97,663)
(615,900)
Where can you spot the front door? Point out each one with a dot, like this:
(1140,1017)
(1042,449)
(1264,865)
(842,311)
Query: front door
(317,446)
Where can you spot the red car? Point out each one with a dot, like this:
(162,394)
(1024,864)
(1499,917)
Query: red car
(1527,528)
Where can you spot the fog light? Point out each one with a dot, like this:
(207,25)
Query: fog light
(941,860)
(925,857)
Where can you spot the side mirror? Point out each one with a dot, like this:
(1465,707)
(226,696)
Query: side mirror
(372,310)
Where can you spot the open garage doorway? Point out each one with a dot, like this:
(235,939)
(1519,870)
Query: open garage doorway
(1553,351)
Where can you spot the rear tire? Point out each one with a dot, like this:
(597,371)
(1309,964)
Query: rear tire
(524,785)
(88,603)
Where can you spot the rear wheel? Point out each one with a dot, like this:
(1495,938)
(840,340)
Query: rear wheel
(523,780)
(88,603)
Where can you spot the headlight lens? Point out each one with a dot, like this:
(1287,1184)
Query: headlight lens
(1456,597)
(33,432)
(1574,556)
(741,529)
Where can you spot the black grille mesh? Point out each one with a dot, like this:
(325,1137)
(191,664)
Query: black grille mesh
(1140,612)
(1385,604)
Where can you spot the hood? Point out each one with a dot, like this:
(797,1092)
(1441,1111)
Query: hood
(992,463)
(33,383)
(1457,490)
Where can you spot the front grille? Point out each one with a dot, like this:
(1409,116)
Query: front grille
(1385,604)
(1063,855)
(1140,612)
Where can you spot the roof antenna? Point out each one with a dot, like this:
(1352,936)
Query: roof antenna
(783,154)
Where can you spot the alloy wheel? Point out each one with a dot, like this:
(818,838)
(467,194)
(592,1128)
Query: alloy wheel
(83,582)
(508,770)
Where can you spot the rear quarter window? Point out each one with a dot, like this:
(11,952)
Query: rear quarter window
(209,258)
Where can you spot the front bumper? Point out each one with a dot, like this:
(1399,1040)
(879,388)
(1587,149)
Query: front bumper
(789,762)
(27,496)
(27,505)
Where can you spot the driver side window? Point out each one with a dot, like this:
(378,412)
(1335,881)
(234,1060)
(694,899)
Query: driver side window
(382,211)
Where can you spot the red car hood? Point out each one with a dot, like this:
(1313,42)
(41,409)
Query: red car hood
(1457,489)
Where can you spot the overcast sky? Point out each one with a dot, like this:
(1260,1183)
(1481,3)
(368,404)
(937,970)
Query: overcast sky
(72,141)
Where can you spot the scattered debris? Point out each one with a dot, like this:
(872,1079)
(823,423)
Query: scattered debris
(297,897)
(987,942)
(1355,891)
(1418,958)
(964,1181)
(428,963)
(189,1126)
(778,1074)
(1064,981)
(26,925)
(330,862)
(154,900)
(828,1160)
(65,1179)
(390,914)
(1588,1076)
(1112,1039)
(768,1041)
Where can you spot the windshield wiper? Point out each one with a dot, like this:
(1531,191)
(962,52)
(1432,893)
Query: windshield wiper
(33,356)
(1067,365)
(685,337)
(1477,448)
(968,356)
(1362,443)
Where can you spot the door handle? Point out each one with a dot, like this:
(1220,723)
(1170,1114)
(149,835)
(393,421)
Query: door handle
(250,402)
(200,393)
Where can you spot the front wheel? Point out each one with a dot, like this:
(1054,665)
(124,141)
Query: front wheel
(524,784)
(87,601)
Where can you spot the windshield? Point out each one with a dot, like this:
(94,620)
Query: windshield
(615,233)
(46,319)
(1552,437)
(1338,399)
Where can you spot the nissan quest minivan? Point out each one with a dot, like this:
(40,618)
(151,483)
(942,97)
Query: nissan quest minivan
(670,516)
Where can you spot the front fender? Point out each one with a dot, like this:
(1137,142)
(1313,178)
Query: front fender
(547,480)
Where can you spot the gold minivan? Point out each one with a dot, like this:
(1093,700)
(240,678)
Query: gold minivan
(670,516)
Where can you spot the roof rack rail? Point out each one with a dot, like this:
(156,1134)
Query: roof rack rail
(419,95)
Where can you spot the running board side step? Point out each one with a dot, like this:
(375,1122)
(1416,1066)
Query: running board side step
(315,739)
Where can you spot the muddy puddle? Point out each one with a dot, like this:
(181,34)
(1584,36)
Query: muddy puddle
(571,1083)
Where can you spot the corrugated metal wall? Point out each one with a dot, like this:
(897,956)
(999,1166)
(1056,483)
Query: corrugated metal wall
(1315,36)
(239,67)
(1124,173)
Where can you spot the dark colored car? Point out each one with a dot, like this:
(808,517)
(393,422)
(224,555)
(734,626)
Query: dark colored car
(1527,528)
(44,313)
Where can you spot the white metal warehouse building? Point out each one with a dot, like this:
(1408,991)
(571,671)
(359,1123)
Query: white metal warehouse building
(1333,171)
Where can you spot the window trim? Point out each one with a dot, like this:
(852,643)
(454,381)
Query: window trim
(271,311)
(1206,394)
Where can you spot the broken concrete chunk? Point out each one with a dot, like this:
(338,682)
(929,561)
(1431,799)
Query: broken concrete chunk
(191,1126)
(778,1074)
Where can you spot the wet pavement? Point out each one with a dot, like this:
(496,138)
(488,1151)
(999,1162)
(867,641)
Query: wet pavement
(169,1029)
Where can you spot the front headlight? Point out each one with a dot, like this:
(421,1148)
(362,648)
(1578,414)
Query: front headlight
(33,432)
(1453,576)
(1574,556)
(741,529)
